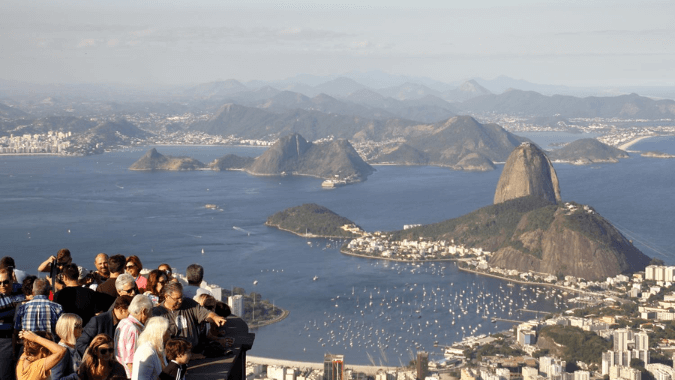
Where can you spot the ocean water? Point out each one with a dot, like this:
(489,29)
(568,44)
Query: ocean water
(371,311)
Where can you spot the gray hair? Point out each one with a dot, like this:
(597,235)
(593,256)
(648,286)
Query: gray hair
(139,304)
(41,287)
(194,274)
(172,287)
(122,280)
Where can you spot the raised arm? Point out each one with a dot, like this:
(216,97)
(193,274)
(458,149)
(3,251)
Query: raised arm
(46,265)
(57,351)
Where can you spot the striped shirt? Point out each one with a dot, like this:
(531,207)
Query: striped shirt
(126,339)
(38,314)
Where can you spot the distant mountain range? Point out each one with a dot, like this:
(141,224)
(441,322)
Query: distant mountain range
(530,103)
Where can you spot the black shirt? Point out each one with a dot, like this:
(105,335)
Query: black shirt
(83,302)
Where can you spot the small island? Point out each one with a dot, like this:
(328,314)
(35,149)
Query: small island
(657,154)
(312,220)
(587,151)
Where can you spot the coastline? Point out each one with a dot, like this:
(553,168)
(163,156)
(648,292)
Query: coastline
(632,142)
(527,283)
(367,369)
(284,314)
(310,236)
(394,259)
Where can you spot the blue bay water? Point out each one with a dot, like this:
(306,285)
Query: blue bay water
(94,204)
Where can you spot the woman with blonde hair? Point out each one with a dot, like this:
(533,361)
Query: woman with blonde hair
(99,361)
(149,359)
(40,355)
(68,328)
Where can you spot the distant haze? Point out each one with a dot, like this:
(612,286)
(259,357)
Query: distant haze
(573,43)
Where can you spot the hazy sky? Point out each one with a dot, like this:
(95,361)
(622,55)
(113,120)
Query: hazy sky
(586,42)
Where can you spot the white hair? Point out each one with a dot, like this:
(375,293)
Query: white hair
(153,333)
(139,303)
(122,280)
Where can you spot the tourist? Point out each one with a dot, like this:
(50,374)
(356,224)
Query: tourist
(166,268)
(156,281)
(27,287)
(116,267)
(134,267)
(184,314)
(9,299)
(178,352)
(208,328)
(68,328)
(102,272)
(126,285)
(104,323)
(39,356)
(54,265)
(99,361)
(195,276)
(149,358)
(38,314)
(129,329)
(8,262)
(80,300)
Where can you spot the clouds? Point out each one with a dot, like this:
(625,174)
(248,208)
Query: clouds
(208,39)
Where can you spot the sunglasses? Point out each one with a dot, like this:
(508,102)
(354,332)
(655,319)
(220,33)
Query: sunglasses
(105,351)
(5,283)
(132,290)
(61,264)
(131,266)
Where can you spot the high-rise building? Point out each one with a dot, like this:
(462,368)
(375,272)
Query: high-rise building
(333,367)
(621,339)
(641,341)
(422,365)
(236,304)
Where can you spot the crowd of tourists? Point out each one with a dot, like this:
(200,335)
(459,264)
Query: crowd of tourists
(109,323)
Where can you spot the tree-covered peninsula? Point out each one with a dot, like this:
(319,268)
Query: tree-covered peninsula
(313,220)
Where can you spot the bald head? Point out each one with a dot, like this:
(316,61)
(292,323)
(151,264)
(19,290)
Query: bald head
(102,264)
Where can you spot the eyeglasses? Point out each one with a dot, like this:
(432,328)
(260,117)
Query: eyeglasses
(132,290)
(175,298)
(5,283)
(105,351)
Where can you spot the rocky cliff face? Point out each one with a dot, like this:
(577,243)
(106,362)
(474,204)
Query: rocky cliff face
(578,242)
(528,172)
(292,154)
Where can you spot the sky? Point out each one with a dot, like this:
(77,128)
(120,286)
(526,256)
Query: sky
(574,43)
